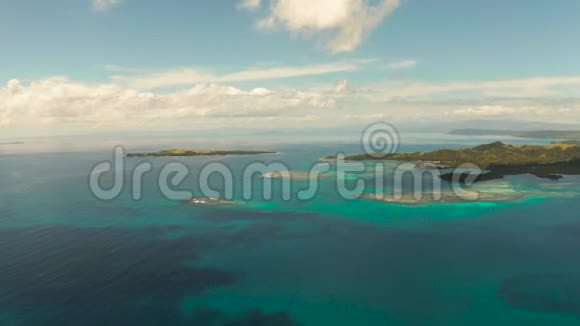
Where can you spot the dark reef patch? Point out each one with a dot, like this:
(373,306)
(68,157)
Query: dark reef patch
(57,275)
(209,317)
(67,266)
(153,314)
(543,293)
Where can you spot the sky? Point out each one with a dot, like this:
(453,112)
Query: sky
(104,66)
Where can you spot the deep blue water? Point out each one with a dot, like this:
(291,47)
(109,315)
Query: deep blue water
(68,258)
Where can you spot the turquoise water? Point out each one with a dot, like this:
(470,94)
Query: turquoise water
(67,258)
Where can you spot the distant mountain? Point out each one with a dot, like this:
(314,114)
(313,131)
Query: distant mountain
(484,132)
(536,134)
(504,125)
(12,143)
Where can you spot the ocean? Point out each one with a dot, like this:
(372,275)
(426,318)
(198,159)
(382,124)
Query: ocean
(70,258)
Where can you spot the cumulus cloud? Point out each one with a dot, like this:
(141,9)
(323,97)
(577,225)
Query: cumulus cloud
(104,5)
(349,21)
(188,76)
(342,87)
(62,101)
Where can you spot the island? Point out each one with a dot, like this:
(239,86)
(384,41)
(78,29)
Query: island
(496,160)
(568,142)
(197,152)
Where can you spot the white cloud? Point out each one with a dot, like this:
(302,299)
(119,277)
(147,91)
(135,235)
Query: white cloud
(342,87)
(555,114)
(539,86)
(350,21)
(63,104)
(405,64)
(104,5)
(492,111)
(250,4)
(60,101)
(190,76)
(260,91)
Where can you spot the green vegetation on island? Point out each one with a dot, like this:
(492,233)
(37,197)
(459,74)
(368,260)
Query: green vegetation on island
(535,134)
(498,160)
(183,153)
(568,142)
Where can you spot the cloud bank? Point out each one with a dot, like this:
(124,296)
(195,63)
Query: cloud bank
(60,101)
(134,99)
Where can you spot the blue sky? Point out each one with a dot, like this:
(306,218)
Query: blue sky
(450,49)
